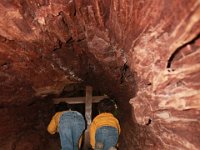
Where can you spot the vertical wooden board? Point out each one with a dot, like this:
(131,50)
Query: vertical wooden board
(88,114)
(88,105)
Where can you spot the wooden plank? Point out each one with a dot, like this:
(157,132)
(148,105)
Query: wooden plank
(88,114)
(86,144)
(88,104)
(78,100)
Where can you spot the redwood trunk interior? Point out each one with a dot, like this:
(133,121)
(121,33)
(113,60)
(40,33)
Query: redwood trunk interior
(144,54)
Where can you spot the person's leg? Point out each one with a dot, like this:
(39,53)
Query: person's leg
(78,128)
(99,139)
(106,137)
(65,132)
(111,138)
(66,140)
(113,148)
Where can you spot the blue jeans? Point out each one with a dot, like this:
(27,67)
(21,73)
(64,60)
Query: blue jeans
(71,127)
(105,138)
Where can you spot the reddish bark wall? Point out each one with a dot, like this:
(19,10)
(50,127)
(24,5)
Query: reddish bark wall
(146,51)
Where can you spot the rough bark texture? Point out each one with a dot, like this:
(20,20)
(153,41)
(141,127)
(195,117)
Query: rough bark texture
(146,51)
